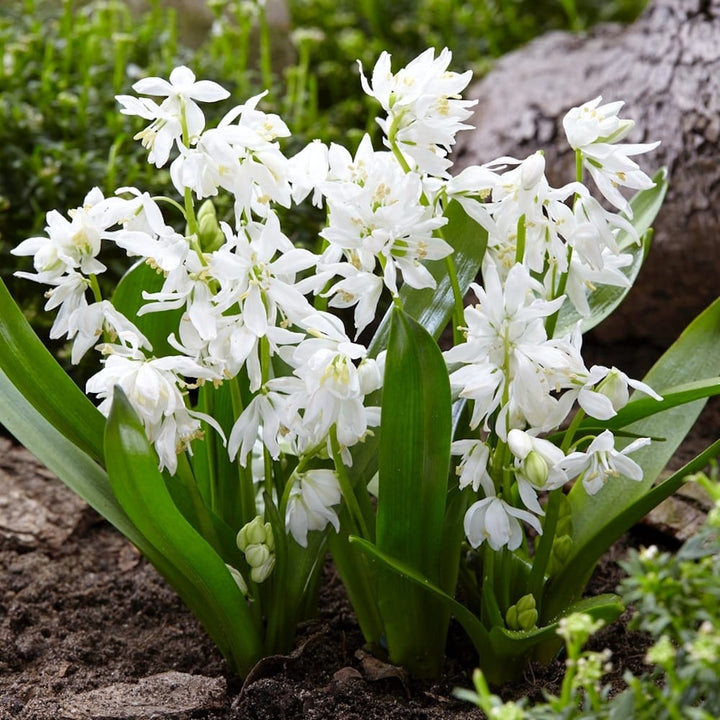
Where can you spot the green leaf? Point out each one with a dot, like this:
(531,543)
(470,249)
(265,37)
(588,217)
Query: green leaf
(471,624)
(73,466)
(599,520)
(414,447)
(37,376)
(128,299)
(179,552)
(414,462)
(645,204)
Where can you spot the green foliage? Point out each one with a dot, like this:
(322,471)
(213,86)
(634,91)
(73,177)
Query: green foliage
(477,31)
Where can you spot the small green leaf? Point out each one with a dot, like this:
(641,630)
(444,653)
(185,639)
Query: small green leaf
(180,553)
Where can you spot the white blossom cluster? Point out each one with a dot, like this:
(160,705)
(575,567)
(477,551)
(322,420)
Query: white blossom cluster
(250,299)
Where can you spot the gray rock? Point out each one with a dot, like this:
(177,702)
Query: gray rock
(167,695)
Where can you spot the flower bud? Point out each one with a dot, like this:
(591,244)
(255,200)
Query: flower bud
(257,555)
(238,578)
(536,469)
(210,236)
(370,376)
(532,170)
(254,533)
(523,615)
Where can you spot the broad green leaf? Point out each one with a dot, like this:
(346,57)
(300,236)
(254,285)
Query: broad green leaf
(471,624)
(181,554)
(73,466)
(694,357)
(414,447)
(645,204)
(128,299)
(38,377)
(413,470)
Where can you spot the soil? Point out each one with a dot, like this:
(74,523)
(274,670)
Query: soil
(88,629)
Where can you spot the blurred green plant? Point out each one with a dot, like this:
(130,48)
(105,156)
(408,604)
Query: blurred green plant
(477,30)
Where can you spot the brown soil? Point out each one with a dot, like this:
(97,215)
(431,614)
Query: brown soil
(88,629)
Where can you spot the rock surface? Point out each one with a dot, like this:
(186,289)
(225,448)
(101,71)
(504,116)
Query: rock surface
(666,67)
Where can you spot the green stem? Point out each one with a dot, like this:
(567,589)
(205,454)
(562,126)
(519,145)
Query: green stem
(399,156)
(95,287)
(544,548)
(572,429)
(551,322)
(520,243)
(459,305)
(358,527)
(248,506)
(578,166)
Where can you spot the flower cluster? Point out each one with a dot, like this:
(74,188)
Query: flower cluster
(252,305)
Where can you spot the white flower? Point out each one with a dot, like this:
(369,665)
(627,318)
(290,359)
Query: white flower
(606,391)
(178,108)
(310,506)
(496,521)
(240,157)
(307,169)
(423,104)
(336,376)
(71,244)
(601,462)
(595,130)
(378,223)
(153,388)
(472,469)
(508,360)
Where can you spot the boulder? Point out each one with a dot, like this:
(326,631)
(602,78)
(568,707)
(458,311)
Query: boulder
(666,67)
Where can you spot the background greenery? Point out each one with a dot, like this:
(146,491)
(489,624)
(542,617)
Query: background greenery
(63,63)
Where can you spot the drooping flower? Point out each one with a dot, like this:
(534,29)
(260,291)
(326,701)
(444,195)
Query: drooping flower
(71,244)
(472,470)
(154,389)
(311,501)
(606,391)
(498,522)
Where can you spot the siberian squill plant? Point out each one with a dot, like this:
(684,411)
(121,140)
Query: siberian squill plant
(258,404)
